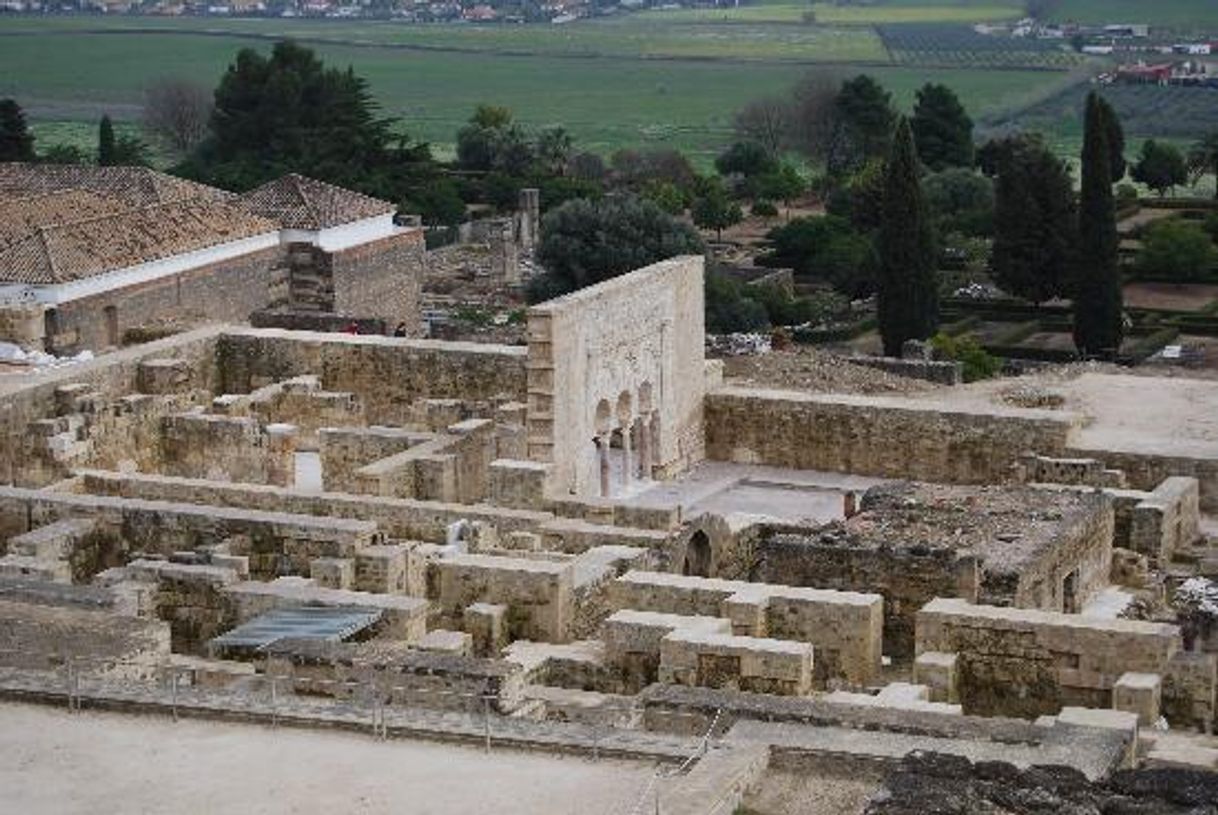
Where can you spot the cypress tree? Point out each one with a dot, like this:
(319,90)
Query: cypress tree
(942,129)
(105,143)
(908,298)
(1097,294)
(16,143)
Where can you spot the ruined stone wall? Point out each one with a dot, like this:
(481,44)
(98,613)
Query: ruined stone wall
(391,377)
(1077,563)
(226,291)
(1145,471)
(397,517)
(112,378)
(1166,520)
(225,448)
(907,578)
(1023,662)
(882,436)
(382,279)
(452,467)
(604,356)
(537,593)
(275,542)
(344,450)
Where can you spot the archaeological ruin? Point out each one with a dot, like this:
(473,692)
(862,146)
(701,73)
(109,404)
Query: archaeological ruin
(591,542)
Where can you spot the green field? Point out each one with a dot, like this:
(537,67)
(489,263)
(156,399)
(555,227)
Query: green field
(608,100)
(1184,15)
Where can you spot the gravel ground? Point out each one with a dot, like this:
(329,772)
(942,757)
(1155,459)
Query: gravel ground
(60,764)
(809,369)
(789,793)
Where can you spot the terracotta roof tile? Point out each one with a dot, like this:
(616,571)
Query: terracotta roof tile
(298,202)
(137,186)
(66,252)
(20,216)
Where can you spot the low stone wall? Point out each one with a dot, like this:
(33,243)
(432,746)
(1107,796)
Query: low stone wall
(226,448)
(400,677)
(452,467)
(273,540)
(344,450)
(391,376)
(1023,662)
(1145,471)
(846,627)
(751,664)
(403,618)
(632,641)
(396,517)
(299,401)
(939,372)
(881,436)
(537,593)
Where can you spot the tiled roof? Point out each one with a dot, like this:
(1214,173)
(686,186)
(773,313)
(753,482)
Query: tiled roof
(20,216)
(76,250)
(136,186)
(298,202)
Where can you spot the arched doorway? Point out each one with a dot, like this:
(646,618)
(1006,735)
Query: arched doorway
(697,556)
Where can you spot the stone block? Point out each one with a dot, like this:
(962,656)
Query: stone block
(443,641)
(485,623)
(333,572)
(1139,693)
(750,664)
(937,671)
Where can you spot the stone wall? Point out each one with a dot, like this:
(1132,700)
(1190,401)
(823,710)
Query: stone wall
(344,450)
(226,291)
(1145,471)
(393,378)
(626,354)
(403,518)
(452,467)
(112,379)
(1023,662)
(226,448)
(907,577)
(845,627)
(882,436)
(382,279)
(537,593)
(275,542)
(939,372)
(749,664)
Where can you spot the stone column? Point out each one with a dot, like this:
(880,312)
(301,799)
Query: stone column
(529,206)
(626,474)
(644,427)
(602,457)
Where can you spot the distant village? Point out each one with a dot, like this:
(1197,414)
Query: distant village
(1145,56)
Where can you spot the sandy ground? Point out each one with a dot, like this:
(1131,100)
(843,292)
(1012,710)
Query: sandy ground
(57,763)
(1175,296)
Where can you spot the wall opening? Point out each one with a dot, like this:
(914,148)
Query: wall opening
(697,556)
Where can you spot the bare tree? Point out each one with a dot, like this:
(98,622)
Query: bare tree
(813,103)
(176,111)
(766,121)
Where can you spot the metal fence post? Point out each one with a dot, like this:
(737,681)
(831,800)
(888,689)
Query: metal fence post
(174,693)
(274,705)
(486,720)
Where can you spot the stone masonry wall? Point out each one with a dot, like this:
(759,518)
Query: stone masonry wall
(391,377)
(881,436)
(226,291)
(382,279)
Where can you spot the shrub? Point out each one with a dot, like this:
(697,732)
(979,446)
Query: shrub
(764,209)
(1177,250)
(976,362)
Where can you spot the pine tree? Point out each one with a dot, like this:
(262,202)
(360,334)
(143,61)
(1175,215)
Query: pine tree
(908,302)
(105,143)
(942,129)
(1097,289)
(16,143)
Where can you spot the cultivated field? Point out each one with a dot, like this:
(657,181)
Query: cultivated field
(672,77)
(1185,15)
(607,100)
